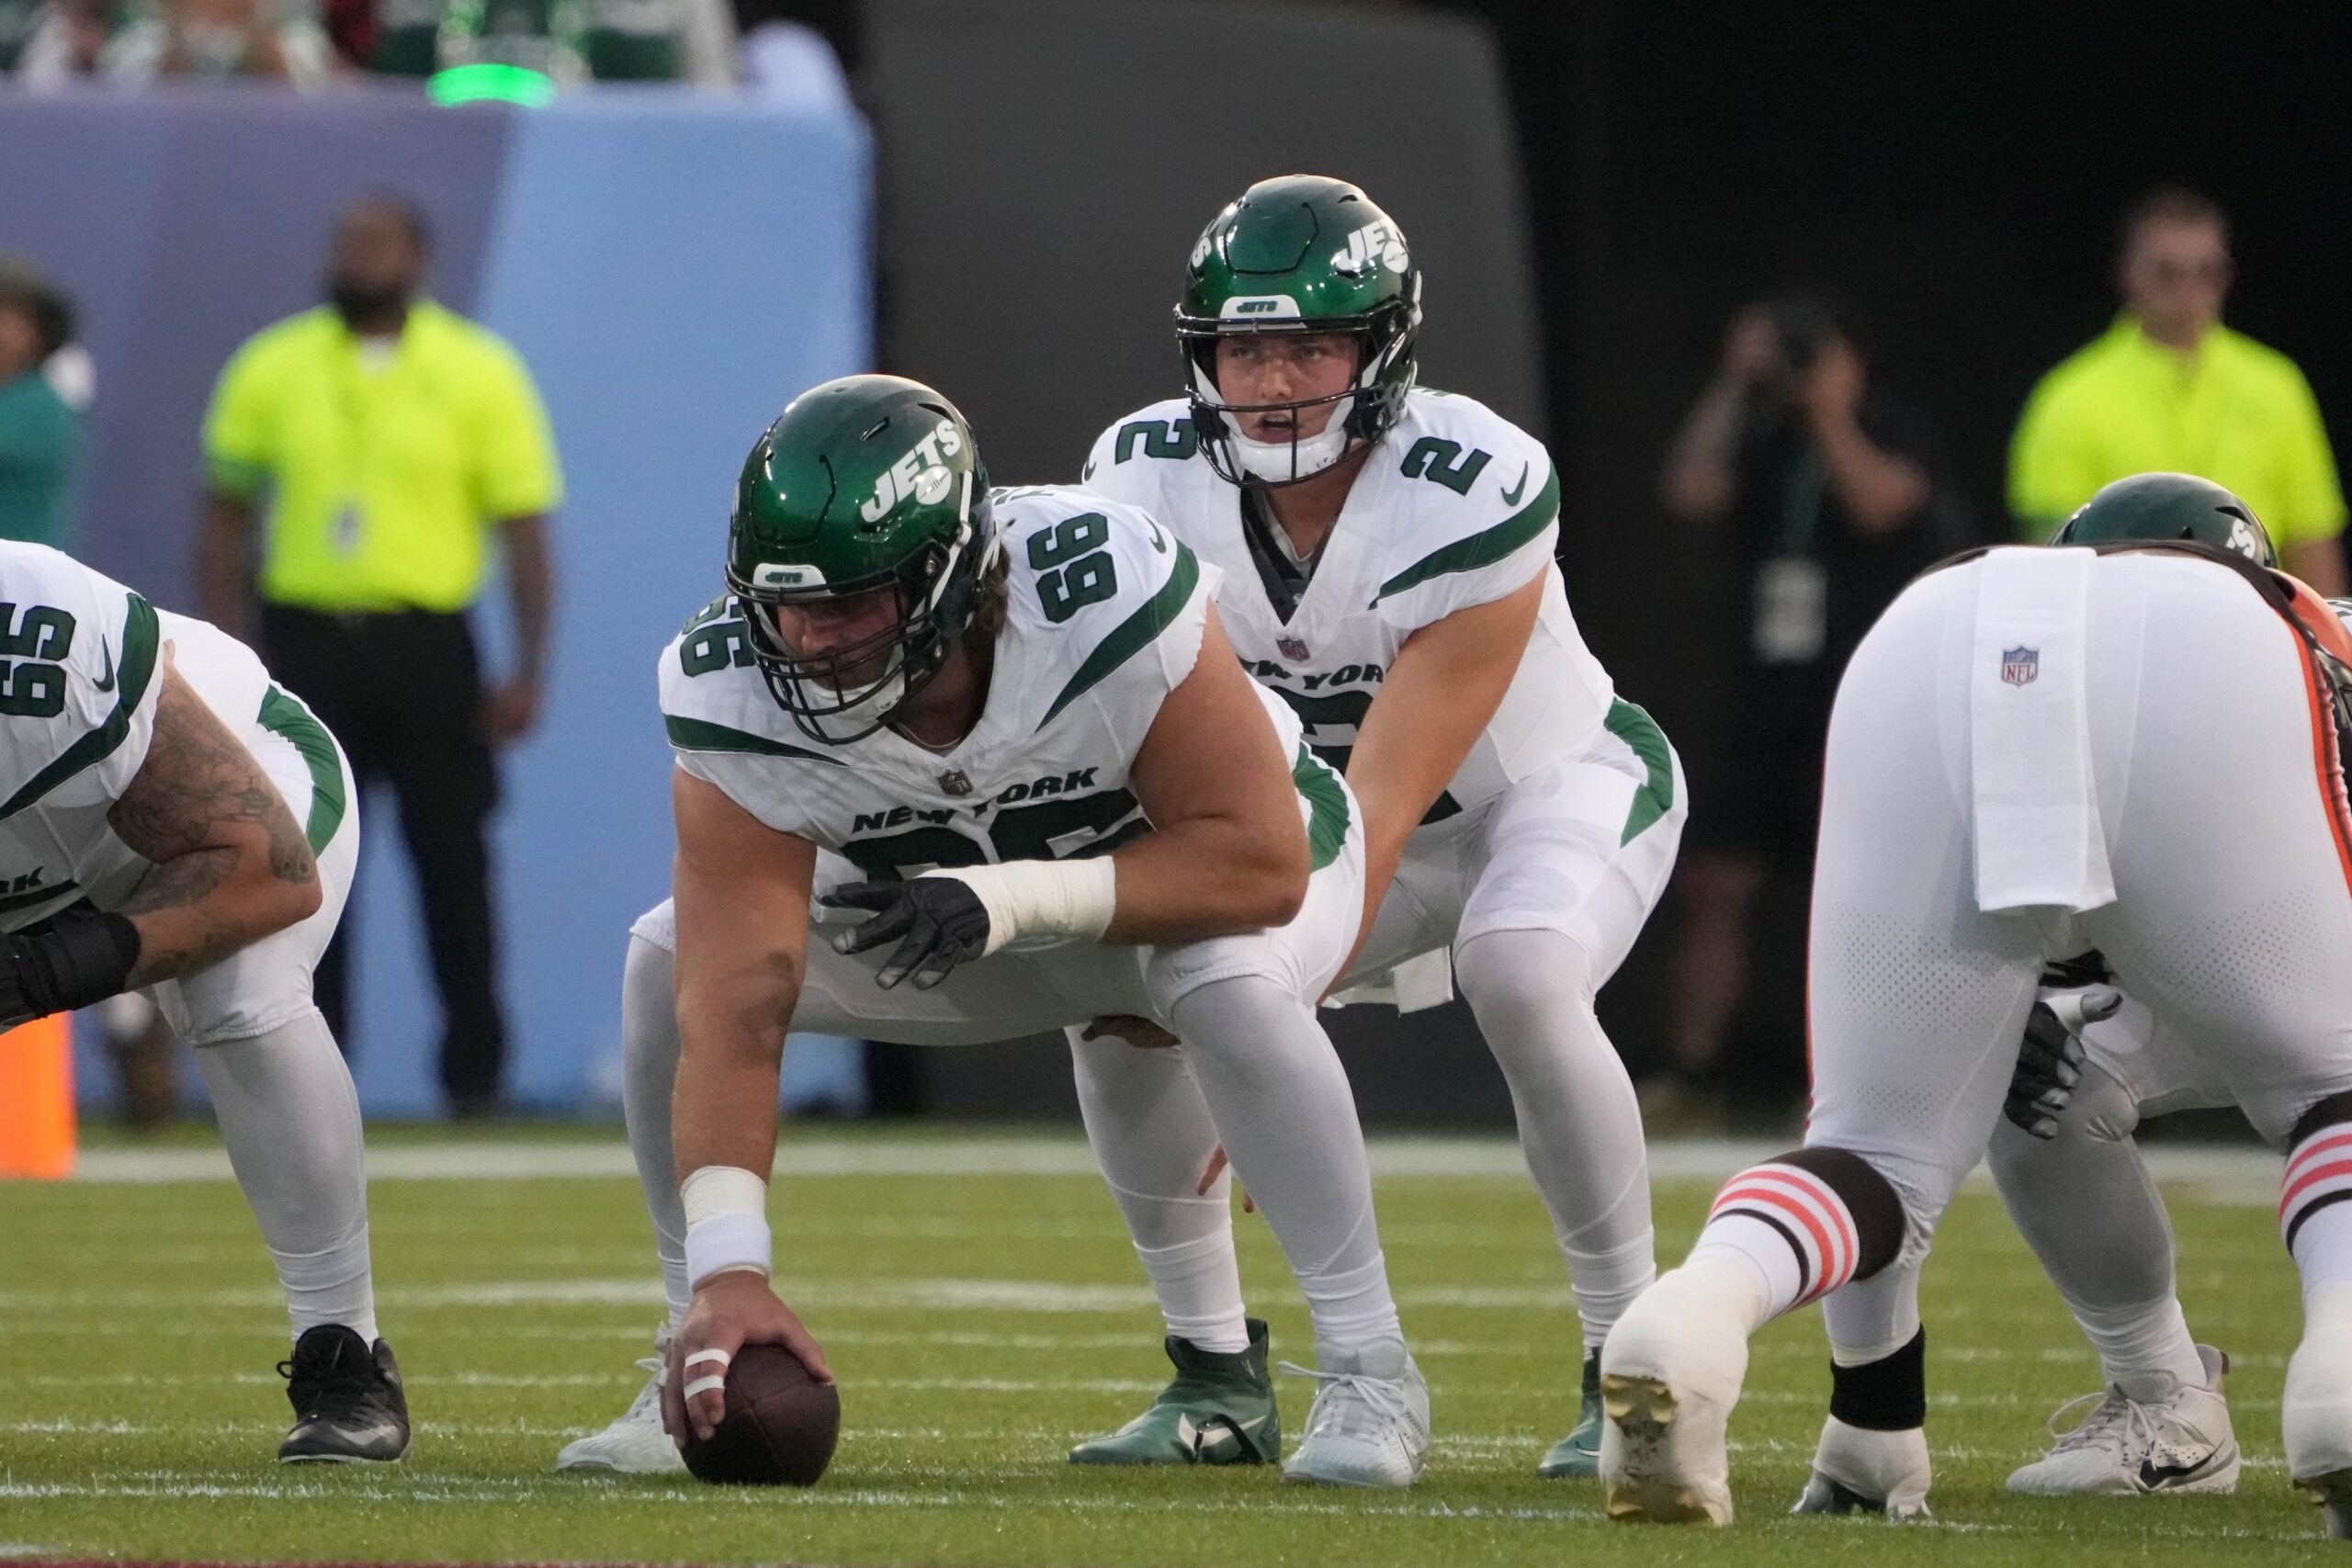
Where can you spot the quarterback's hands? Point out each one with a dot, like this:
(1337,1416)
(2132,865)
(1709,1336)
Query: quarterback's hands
(731,1311)
(2050,1058)
(939,919)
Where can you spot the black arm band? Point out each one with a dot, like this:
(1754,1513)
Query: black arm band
(75,957)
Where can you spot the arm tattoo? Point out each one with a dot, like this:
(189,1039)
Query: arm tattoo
(192,808)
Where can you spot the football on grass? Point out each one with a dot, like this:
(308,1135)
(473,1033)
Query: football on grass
(780,1425)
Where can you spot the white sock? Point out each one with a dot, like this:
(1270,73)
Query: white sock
(649,1048)
(2142,1339)
(1579,1125)
(290,1119)
(1790,1226)
(1152,1136)
(1288,1120)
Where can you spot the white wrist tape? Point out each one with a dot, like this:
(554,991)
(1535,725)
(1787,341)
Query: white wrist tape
(727,1222)
(1038,902)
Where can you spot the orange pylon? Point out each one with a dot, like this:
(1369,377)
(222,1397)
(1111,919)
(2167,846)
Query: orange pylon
(37,1100)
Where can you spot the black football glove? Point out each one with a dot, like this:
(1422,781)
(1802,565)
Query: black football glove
(75,957)
(2050,1058)
(942,921)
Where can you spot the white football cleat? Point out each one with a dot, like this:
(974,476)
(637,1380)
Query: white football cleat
(1669,1375)
(2149,1433)
(1370,1422)
(637,1444)
(2317,1415)
(1860,1472)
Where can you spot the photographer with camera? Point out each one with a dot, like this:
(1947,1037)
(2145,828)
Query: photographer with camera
(1828,491)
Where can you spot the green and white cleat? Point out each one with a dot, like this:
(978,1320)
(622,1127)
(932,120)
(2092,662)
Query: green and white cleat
(1578,1453)
(1218,1410)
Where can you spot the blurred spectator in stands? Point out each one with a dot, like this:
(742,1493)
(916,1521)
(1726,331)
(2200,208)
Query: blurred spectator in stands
(1828,492)
(2168,387)
(400,444)
(57,42)
(134,44)
(571,41)
(40,431)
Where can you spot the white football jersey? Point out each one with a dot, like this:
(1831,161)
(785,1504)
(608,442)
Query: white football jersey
(1106,616)
(1456,507)
(81,668)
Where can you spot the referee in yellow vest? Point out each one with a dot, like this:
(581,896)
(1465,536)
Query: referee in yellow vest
(2169,388)
(390,446)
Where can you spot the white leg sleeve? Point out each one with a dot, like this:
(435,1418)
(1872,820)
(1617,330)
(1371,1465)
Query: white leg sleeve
(1153,1138)
(290,1118)
(1578,1124)
(1282,1104)
(2085,1204)
(650,1072)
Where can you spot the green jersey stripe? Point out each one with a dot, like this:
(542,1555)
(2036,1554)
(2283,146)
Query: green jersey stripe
(33,897)
(132,674)
(698,734)
(1133,635)
(1636,729)
(285,716)
(1482,548)
(1327,809)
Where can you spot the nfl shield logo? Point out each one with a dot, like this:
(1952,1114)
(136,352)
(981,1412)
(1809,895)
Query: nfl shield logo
(954,781)
(2020,665)
(1293,650)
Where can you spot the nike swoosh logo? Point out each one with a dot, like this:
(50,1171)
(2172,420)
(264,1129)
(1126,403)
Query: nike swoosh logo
(1158,540)
(2155,1476)
(1511,496)
(107,683)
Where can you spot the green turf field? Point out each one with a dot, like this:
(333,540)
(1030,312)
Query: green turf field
(980,1320)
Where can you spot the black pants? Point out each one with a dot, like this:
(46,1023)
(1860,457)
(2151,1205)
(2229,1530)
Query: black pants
(402,692)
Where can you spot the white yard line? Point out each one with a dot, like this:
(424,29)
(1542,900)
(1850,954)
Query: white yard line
(2225,1175)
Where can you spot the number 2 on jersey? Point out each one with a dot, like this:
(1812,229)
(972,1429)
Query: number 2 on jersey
(1073,569)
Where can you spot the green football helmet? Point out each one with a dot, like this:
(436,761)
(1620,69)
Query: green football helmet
(1301,255)
(2170,506)
(868,484)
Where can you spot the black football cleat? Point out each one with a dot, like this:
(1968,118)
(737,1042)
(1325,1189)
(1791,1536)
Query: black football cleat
(347,1400)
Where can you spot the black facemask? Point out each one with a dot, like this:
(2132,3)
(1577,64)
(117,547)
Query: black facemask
(365,306)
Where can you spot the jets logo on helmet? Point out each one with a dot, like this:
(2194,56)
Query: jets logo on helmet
(864,501)
(1373,243)
(1302,255)
(922,473)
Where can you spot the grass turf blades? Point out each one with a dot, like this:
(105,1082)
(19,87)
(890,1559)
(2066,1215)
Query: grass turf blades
(980,1326)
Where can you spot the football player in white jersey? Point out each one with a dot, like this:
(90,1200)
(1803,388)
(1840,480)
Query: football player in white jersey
(2095,1062)
(172,822)
(2132,747)
(1008,729)
(1387,552)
